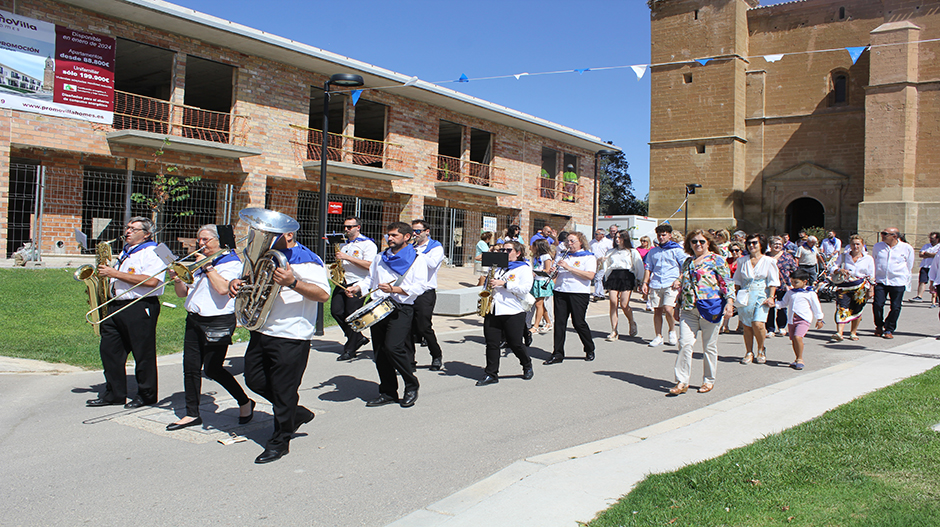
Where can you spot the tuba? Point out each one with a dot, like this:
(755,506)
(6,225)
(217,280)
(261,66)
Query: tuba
(485,303)
(257,295)
(99,287)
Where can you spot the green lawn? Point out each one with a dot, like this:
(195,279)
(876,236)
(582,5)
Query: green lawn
(871,462)
(42,313)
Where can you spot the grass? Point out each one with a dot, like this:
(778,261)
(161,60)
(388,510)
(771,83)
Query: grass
(869,462)
(42,313)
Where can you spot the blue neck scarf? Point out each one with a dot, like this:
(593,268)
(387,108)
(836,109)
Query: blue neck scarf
(670,245)
(803,290)
(361,238)
(513,265)
(399,263)
(128,250)
(431,244)
(300,254)
(230,257)
(581,253)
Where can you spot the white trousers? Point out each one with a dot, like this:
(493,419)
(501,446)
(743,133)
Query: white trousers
(690,323)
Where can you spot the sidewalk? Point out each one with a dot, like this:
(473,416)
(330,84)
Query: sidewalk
(571,486)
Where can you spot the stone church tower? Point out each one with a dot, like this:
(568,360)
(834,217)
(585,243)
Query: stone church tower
(809,139)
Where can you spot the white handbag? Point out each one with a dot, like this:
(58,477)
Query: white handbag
(741,298)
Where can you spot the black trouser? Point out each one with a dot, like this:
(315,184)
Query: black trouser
(494,326)
(274,367)
(133,330)
(813,272)
(576,305)
(197,351)
(341,306)
(421,324)
(882,293)
(777,318)
(394,351)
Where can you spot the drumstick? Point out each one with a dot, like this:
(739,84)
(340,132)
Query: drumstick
(376,289)
(339,285)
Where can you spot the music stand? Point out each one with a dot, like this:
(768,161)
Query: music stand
(495,260)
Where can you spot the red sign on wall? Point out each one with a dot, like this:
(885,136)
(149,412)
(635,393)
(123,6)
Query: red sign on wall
(334,207)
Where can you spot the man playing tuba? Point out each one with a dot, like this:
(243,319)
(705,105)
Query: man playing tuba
(134,328)
(277,352)
(355,256)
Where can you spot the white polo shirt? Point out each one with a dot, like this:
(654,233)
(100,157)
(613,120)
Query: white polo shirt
(567,282)
(293,316)
(203,300)
(518,284)
(434,257)
(893,265)
(140,261)
(361,248)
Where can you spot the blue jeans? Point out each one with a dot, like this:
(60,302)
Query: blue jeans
(882,292)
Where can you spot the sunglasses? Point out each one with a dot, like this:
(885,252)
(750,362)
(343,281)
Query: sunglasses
(349,226)
(735,250)
(504,250)
(417,231)
(885,233)
(698,242)
(753,242)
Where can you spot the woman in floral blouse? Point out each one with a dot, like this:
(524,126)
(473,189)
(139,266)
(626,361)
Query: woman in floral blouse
(786,264)
(705,277)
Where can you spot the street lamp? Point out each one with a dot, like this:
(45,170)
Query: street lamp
(597,156)
(346,80)
(689,190)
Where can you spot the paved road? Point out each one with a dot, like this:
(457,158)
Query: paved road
(64,464)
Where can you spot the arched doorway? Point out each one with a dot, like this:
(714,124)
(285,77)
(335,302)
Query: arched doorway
(802,213)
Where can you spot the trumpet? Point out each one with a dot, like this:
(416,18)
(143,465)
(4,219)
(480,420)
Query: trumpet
(186,272)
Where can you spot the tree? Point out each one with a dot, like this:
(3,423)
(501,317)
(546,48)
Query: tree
(166,189)
(616,189)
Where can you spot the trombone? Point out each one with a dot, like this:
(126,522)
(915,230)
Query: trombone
(182,270)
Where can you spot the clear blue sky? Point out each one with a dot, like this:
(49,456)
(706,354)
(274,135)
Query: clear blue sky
(438,40)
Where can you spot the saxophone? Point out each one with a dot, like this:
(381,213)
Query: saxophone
(337,272)
(99,287)
(485,303)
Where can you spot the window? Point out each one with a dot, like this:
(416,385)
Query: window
(549,171)
(700,149)
(688,78)
(570,177)
(841,13)
(695,15)
(449,151)
(839,94)
(481,151)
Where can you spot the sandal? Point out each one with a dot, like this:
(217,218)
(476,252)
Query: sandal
(796,365)
(853,337)
(545,329)
(679,389)
(761,357)
(612,337)
(836,337)
(705,388)
(748,358)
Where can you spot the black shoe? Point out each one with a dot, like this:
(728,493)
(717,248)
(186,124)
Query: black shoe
(306,418)
(409,399)
(346,356)
(555,359)
(271,454)
(424,342)
(247,419)
(137,402)
(489,379)
(362,342)
(527,338)
(436,364)
(589,356)
(527,372)
(382,400)
(101,401)
(179,426)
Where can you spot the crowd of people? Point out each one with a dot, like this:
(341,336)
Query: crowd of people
(694,284)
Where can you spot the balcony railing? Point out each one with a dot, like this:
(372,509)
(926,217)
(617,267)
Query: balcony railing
(346,149)
(557,189)
(452,169)
(136,112)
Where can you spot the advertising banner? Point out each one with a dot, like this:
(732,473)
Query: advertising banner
(54,70)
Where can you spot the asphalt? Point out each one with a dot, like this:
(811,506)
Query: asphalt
(551,451)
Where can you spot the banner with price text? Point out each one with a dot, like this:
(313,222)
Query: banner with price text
(54,70)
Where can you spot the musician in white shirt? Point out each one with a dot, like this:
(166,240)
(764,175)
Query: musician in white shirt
(401,274)
(278,351)
(572,293)
(134,328)
(421,326)
(510,287)
(210,322)
(356,255)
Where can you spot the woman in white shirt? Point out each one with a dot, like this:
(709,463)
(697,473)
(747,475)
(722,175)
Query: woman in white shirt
(623,266)
(756,280)
(856,270)
(510,286)
(572,293)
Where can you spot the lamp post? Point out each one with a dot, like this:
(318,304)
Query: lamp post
(347,80)
(689,190)
(597,156)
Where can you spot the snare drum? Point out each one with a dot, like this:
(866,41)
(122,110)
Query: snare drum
(370,314)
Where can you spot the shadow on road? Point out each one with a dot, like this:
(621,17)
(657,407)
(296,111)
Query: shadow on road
(659,385)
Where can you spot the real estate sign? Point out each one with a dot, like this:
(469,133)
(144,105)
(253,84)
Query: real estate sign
(54,70)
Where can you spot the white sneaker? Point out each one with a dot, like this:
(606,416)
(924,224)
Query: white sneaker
(672,338)
(649,307)
(632,329)
(656,341)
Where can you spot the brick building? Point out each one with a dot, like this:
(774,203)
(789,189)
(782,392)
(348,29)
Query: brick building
(242,109)
(810,139)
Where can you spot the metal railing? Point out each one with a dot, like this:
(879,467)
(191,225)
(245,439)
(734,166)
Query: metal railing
(557,189)
(452,169)
(136,112)
(346,149)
